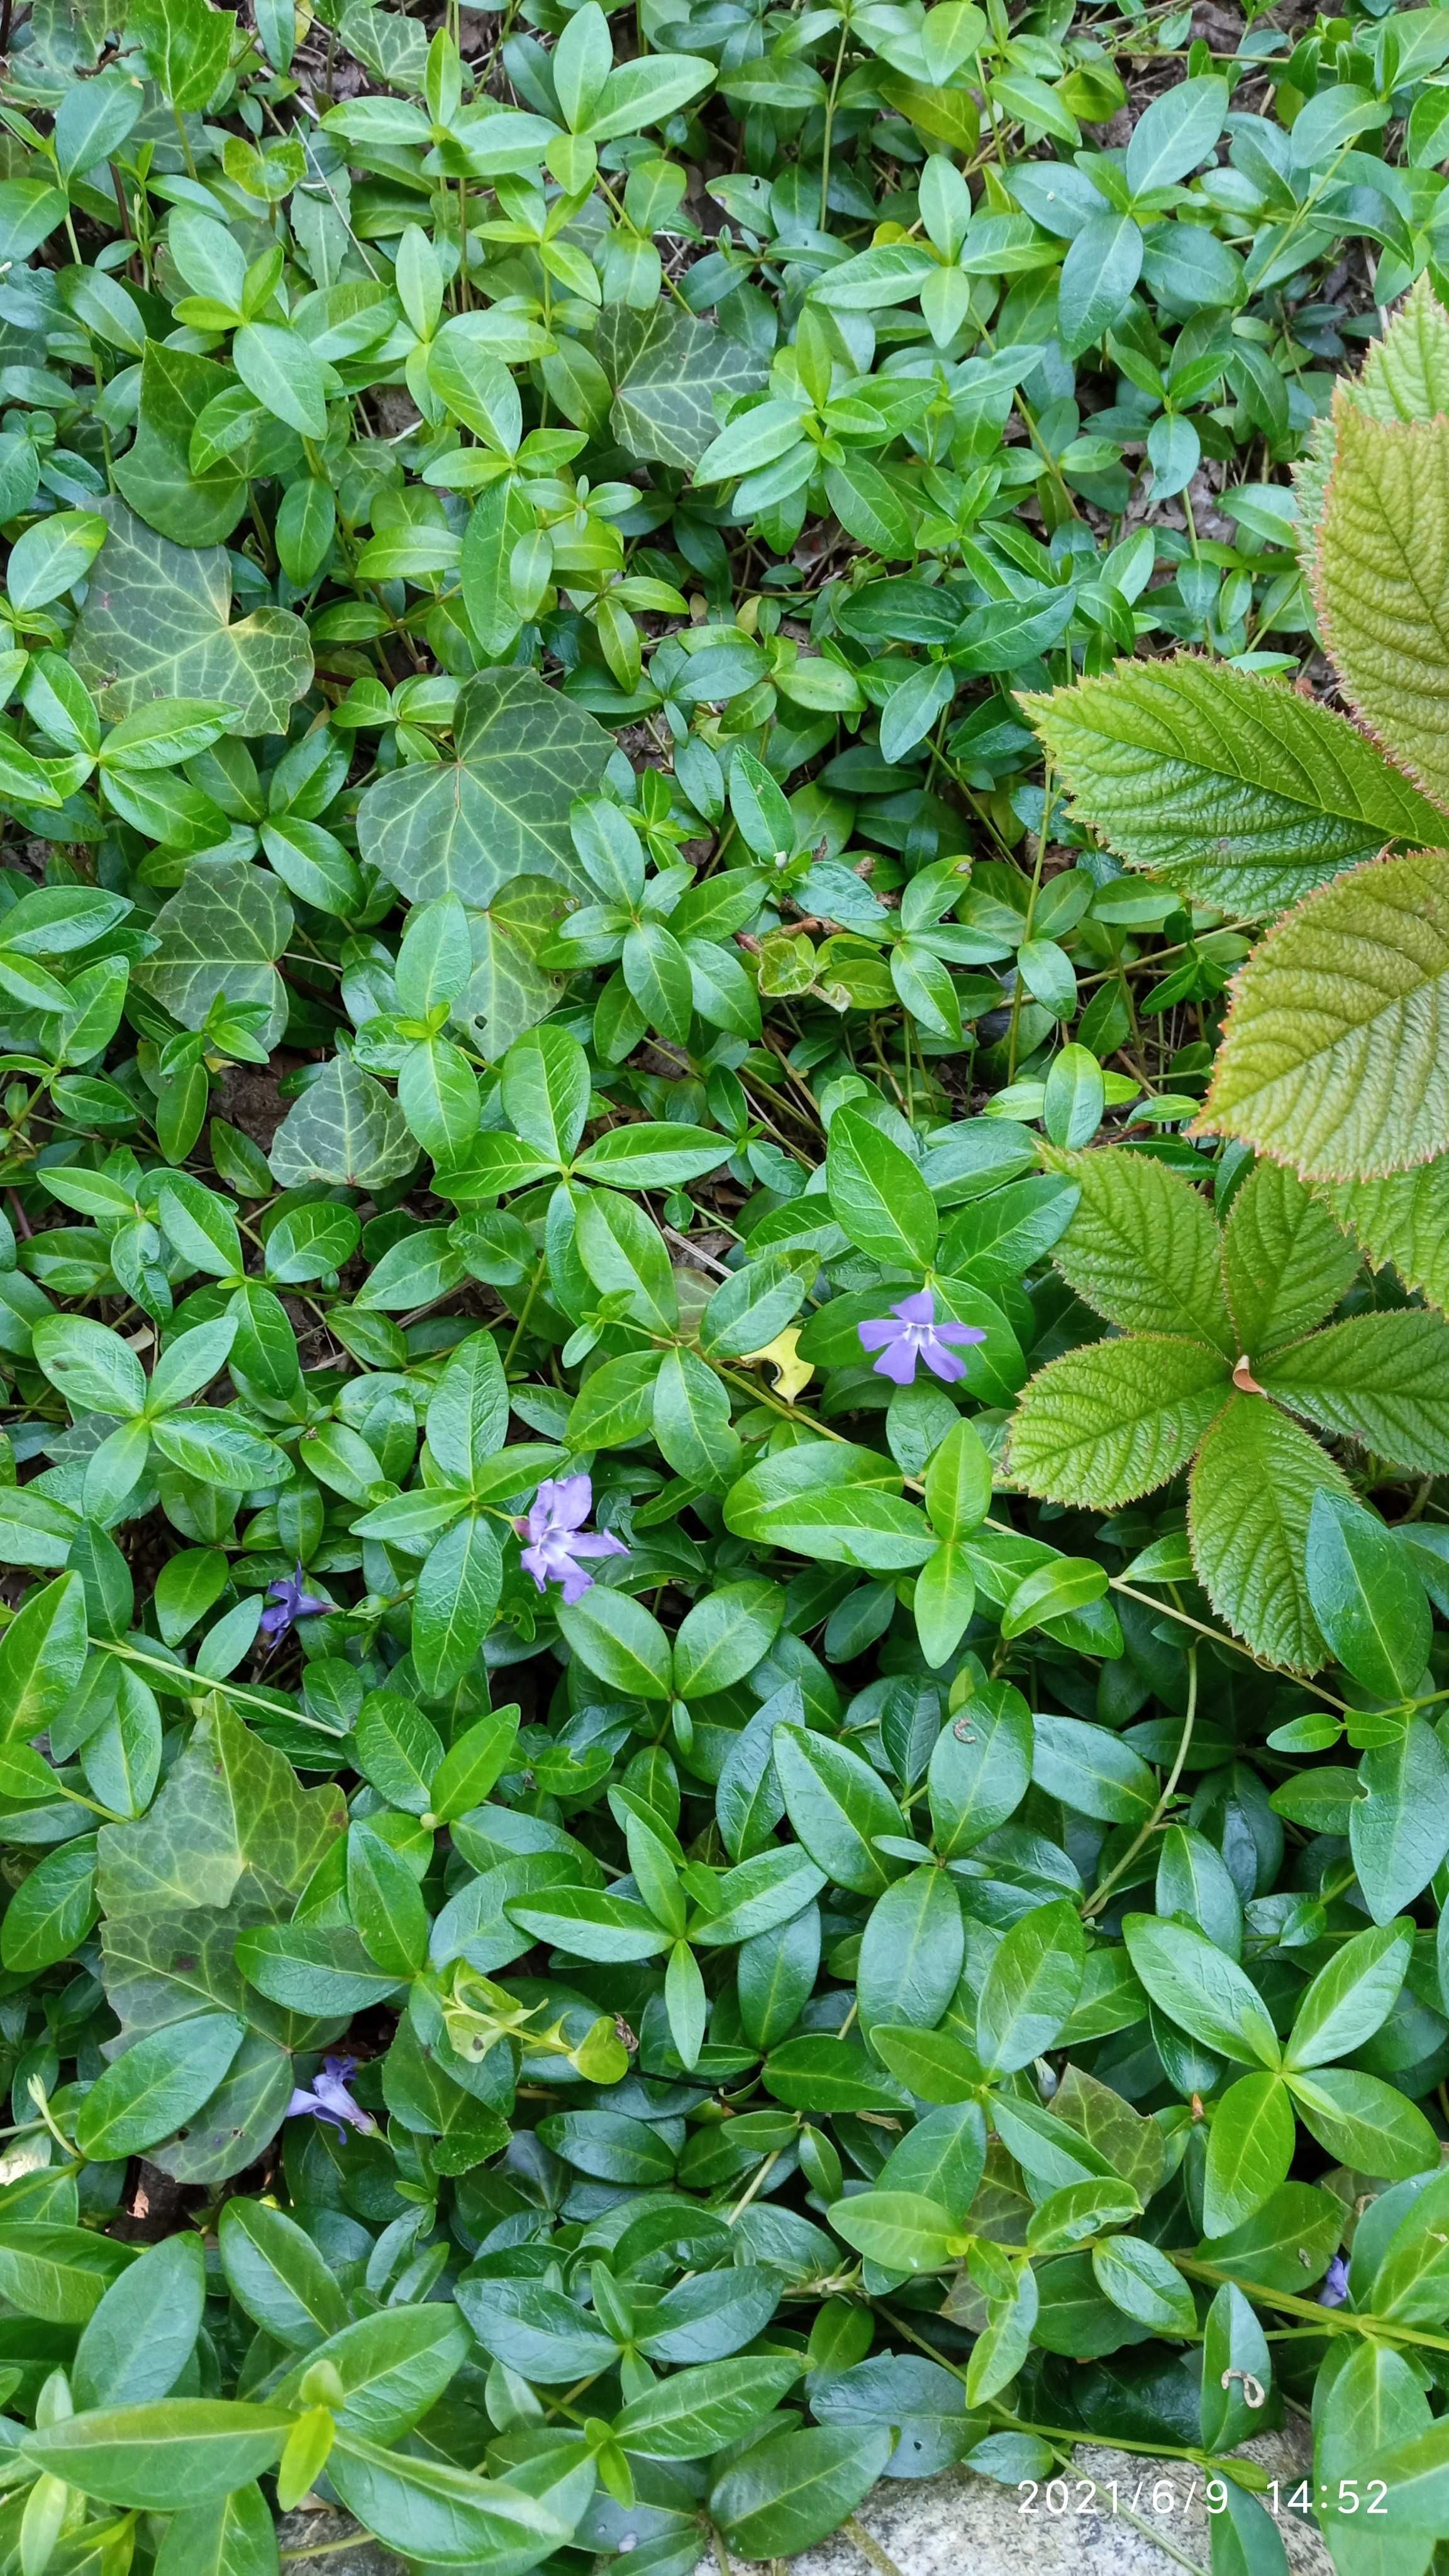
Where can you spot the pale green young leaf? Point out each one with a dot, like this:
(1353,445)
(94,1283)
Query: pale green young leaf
(1333,1057)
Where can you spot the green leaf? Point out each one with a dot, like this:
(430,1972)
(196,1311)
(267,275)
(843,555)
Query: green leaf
(877,1194)
(1329,1058)
(142,2335)
(219,934)
(154,2458)
(1201,1990)
(1398,1826)
(1364,2123)
(912,1951)
(696,2412)
(231,2536)
(1352,1996)
(591,1925)
(344,1128)
(156,2086)
(57,2272)
(393,2367)
(1234,2349)
(42,1656)
(1091,1770)
(980,1768)
(668,372)
(651,1155)
(1382,1380)
(830,1500)
(278,2275)
(1102,265)
(501,808)
(1116,1419)
(1383,518)
(1285,1263)
(838,1806)
(454,1600)
(958,1483)
(52,1910)
(1138,2278)
(1142,1248)
(899,2230)
(1250,1500)
(155,473)
(1239,791)
(1030,1988)
(1366,1597)
(789,2491)
(1175,133)
(230,1840)
(621,1641)
(51,555)
(280,368)
(1250,2151)
(157,624)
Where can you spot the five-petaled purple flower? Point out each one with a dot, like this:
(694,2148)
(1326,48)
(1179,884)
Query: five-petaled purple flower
(1335,2284)
(917,1336)
(329,2099)
(289,1603)
(557,1538)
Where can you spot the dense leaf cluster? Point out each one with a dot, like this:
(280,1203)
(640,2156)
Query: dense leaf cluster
(720,1746)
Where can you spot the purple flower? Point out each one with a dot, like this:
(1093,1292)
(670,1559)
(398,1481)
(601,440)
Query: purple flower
(917,1336)
(330,2100)
(1335,2284)
(290,1604)
(557,1537)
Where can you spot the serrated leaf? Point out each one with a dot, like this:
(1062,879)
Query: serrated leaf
(1142,1247)
(1249,1502)
(1403,1219)
(1382,1380)
(500,809)
(1237,791)
(1382,582)
(1331,1057)
(1285,1262)
(157,624)
(1102,1425)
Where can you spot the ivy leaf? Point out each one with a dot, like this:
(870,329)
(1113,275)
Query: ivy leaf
(1331,1058)
(345,1128)
(500,810)
(1105,1424)
(666,369)
(219,934)
(508,990)
(1238,792)
(1249,1502)
(157,624)
(1383,523)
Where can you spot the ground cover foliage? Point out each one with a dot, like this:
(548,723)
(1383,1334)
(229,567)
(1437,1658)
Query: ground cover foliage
(722,1309)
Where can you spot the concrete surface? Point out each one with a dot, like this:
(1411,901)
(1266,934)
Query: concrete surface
(954,2523)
